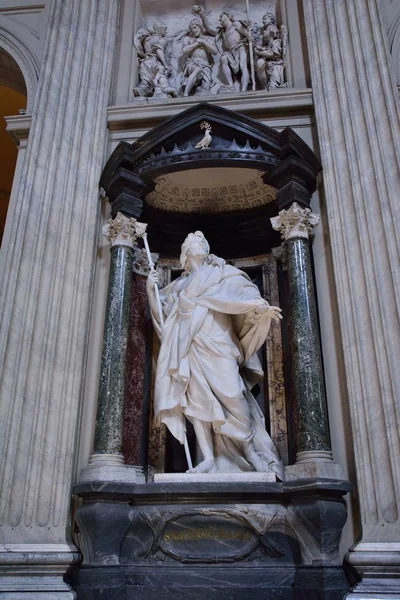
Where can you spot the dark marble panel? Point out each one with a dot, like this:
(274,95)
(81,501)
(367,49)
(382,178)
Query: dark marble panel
(329,583)
(105,584)
(204,535)
(135,372)
(210,576)
(210,593)
(185,492)
(102,526)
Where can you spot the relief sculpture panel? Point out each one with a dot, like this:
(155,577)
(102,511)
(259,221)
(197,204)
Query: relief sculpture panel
(209,52)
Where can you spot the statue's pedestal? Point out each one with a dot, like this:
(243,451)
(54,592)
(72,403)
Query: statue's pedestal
(250,477)
(235,540)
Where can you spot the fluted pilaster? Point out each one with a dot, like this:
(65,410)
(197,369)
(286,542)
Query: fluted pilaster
(46,289)
(358,128)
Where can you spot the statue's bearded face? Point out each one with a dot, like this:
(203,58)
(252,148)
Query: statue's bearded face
(196,248)
(194,245)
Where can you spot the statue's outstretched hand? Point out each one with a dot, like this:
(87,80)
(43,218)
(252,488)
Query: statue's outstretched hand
(274,312)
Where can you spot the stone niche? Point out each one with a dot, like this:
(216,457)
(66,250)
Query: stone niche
(182,49)
(166,536)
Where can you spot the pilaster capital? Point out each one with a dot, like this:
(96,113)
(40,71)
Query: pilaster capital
(295,222)
(123,231)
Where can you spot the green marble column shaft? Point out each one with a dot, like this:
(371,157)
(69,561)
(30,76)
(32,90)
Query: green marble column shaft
(311,419)
(108,433)
(296,225)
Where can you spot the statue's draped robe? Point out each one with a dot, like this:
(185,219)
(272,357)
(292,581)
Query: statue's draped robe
(208,364)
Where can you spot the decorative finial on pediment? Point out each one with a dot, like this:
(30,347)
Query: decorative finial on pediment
(206,141)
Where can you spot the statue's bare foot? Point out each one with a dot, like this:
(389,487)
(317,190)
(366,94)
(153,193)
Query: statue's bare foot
(204,467)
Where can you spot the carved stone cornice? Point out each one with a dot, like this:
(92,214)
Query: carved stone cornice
(295,222)
(123,231)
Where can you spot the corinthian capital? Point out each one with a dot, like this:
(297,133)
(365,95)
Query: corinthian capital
(296,222)
(121,231)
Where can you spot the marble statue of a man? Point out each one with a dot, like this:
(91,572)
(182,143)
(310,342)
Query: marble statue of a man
(215,322)
(232,38)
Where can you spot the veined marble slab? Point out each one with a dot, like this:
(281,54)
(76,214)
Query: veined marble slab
(248,477)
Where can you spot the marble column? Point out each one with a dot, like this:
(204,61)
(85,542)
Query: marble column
(107,462)
(314,455)
(356,108)
(47,276)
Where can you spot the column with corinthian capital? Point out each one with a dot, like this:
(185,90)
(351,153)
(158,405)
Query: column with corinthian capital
(314,455)
(356,108)
(107,462)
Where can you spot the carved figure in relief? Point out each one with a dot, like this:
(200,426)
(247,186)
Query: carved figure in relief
(270,62)
(161,83)
(197,52)
(150,46)
(231,38)
(215,322)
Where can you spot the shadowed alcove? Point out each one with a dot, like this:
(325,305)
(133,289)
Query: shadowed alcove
(228,190)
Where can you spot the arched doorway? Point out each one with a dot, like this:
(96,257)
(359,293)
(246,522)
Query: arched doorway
(13,100)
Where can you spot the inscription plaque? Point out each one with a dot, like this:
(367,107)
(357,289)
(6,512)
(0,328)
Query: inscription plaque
(209,539)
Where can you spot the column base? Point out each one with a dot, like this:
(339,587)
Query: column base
(314,464)
(378,566)
(111,467)
(36,571)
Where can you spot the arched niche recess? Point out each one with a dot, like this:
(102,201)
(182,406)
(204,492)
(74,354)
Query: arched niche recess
(26,63)
(13,98)
(229,190)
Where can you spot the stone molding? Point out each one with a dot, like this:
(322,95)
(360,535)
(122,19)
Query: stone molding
(18,127)
(295,222)
(357,116)
(281,101)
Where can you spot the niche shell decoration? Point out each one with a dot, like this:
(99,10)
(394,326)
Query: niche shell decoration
(212,55)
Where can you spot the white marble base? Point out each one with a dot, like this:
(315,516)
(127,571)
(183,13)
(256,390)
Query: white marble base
(38,595)
(312,470)
(248,477)
(36,571)
(105,472)
(378,565)
(373,596)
